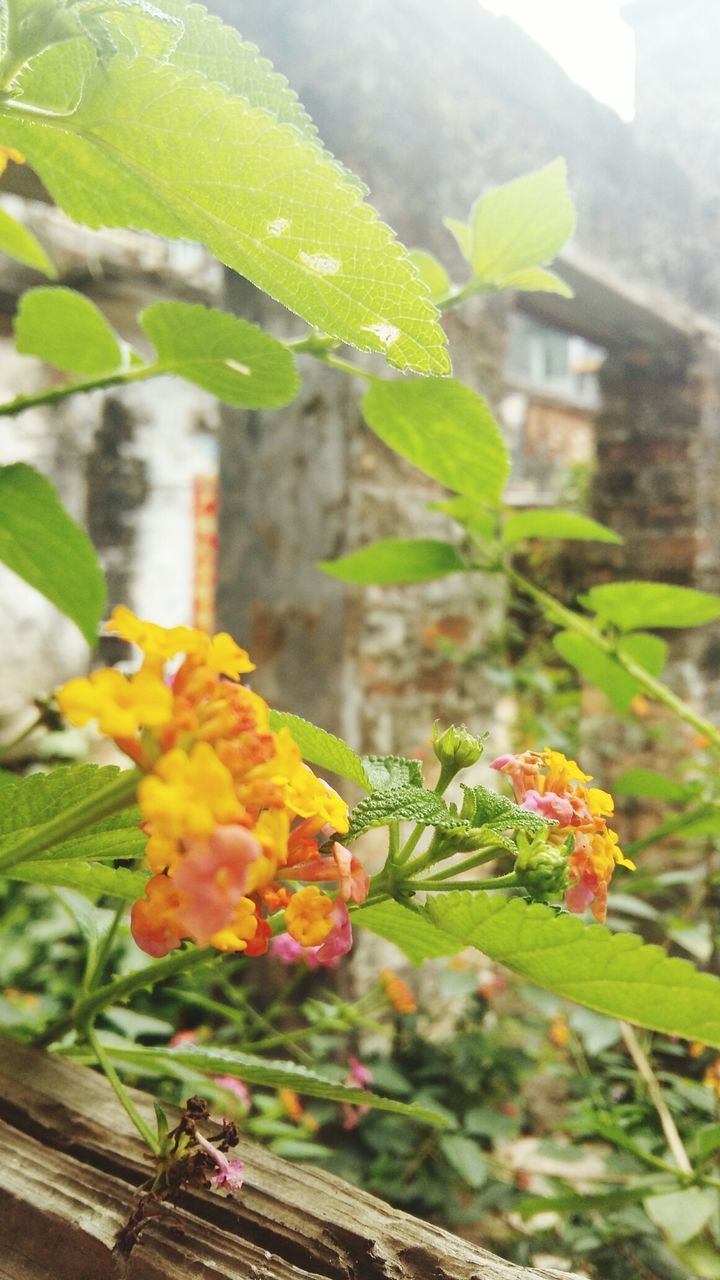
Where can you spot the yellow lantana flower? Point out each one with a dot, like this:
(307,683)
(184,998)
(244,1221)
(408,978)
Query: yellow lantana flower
(188,795)
(307,916)
(7,154)
(122,705)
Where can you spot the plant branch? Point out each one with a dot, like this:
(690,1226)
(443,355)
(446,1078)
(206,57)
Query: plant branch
(669,1128)
(121,1092)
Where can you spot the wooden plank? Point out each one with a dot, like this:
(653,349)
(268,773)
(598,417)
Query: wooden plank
(71,1163)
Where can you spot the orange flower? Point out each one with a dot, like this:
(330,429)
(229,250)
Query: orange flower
(398,992)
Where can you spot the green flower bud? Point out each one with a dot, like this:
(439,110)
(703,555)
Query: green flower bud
(542,869)
(457,748)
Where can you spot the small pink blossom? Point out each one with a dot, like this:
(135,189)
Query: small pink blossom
(183,1037)
(213,874)
(339,940)
(233,1085)
(354,879)
(229,1176)
(549,805)
(360,1076)
(523,770)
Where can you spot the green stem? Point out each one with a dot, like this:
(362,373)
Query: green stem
(101,959)
(117,795)
(393,841)
(445,886)
(90,1005)
(411,844)
(558,613)
(53,395)
(488,854)
(121,1092)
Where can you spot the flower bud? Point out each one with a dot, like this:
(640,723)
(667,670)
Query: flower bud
(457,748)
(542,869)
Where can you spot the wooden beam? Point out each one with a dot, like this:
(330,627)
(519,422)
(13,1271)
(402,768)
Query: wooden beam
(71,1164)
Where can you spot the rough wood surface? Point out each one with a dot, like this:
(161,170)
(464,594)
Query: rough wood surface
(70,1164)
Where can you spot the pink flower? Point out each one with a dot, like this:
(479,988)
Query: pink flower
(524,770)
(183,1037)
(550,805)
(213,874)
(233,1085)
(354,879)
(229,1176)
(360,1076)
(339,940)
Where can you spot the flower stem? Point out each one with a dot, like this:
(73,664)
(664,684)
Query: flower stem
(117,795)
(556,612)
(669,1128)
(443,886)
(120,1091)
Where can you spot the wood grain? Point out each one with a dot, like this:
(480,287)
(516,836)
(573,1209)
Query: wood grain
(71,1163)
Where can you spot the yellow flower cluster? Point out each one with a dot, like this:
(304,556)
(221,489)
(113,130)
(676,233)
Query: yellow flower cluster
(226,801)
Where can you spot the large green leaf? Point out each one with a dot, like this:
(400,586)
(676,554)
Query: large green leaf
(19,243)
(396,560)
(90,878)
(44,546)
(147,145)
(410,804)
(601,669)
(617,975)
(264,1071)
(522,224)
(446,429)
(630,605)
(66,329)
(537,280)
(410,930)
(549,523)
(322,748)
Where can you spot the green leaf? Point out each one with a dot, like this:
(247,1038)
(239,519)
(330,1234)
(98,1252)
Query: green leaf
(651,785)
(445,429)
(130,26)
(417,936)
(600,669)
(549,523)
(66,329)
(537,280)
(123,839)
(401,804)
(392,771)
(495,813)
(396,560)
(19,243)
(522,224)
(432,272)
(461,234)
(221,353)
(160,149)
(31,801)
(682,1214)
(617,975)
(276,1075)
(476,519)
(581,1202)
(322,748)
(44,546)
(630,605)
(466,1158)
(90,878)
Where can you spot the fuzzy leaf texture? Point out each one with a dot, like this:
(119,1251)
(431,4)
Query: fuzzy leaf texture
(392,771)
(322,748)
(19,243)
(28,802)
(614,974)
(264,1071)
(132,141)
(444,428)
(42,544)
(495,813)
(396,561)
(406,804)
